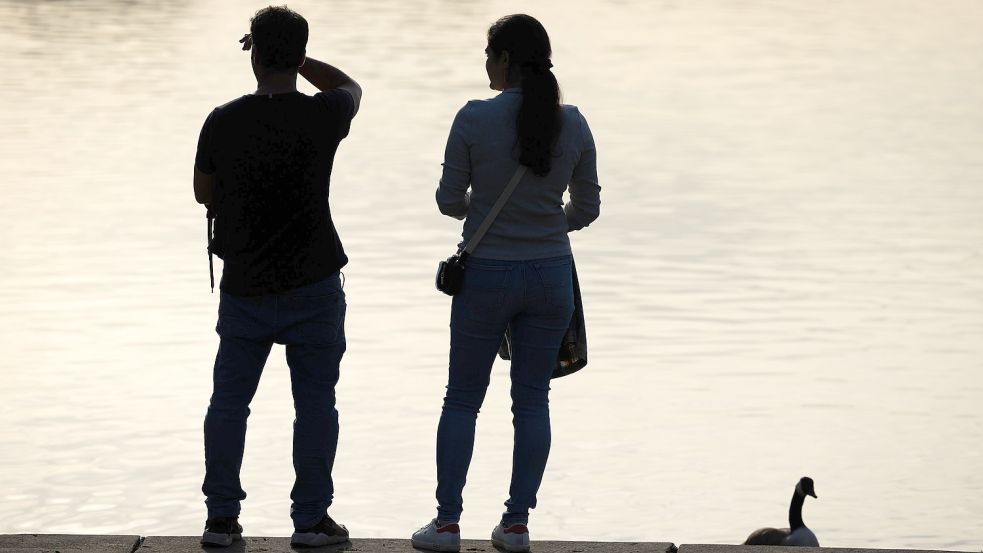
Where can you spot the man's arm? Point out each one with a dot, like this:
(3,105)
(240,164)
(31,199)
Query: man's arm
(204,183)
(325,77)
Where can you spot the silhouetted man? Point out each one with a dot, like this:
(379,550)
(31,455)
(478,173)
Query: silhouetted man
(263,170)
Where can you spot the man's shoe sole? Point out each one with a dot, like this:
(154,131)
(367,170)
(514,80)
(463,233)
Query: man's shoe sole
(315,540)
(219,540)
(435,546)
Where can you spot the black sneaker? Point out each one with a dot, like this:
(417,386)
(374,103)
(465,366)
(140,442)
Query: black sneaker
(221,531)
(325,532)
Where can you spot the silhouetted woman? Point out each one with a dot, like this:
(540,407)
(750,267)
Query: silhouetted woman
(520,273)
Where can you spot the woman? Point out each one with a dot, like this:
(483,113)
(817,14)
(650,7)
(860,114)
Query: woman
(520,273)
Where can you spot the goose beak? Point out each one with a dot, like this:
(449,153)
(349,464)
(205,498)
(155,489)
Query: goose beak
(813,494)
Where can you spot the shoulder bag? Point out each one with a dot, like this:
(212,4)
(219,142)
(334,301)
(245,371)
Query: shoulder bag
(450,273)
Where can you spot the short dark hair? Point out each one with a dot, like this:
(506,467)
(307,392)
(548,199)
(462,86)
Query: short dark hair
(280,37)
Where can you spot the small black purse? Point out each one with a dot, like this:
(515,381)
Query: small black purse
(450,273)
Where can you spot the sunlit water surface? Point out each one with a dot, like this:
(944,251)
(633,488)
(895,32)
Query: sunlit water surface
(786,279)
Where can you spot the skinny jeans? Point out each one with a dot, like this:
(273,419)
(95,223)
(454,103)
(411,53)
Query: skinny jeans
(534,298)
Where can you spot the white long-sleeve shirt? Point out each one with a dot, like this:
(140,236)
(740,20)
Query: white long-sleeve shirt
(482,155)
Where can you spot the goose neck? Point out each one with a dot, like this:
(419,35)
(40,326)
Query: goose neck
(795,511)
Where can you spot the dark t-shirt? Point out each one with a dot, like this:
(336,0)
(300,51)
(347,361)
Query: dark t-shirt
(272,157)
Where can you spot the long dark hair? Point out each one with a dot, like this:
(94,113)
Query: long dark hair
(538,122)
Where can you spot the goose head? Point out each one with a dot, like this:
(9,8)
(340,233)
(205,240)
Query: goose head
(806,487)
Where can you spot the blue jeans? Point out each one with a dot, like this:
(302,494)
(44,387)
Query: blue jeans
(310,322)
(535,297)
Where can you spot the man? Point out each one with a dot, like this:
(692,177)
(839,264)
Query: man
(263,170)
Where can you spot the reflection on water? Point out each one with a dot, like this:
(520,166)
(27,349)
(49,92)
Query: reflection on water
(785,280)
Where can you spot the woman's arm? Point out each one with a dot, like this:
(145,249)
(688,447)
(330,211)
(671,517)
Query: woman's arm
(453,198)
(585,192)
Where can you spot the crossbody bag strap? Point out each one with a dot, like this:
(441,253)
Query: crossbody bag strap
(490,218)
(211,234)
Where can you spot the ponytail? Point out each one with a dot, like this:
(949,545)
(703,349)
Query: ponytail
(538,122)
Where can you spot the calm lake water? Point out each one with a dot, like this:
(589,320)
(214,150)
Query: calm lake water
(786,278)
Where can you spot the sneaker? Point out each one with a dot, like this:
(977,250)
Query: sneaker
(325,532)
(445,537)
(221,532)
(514,538)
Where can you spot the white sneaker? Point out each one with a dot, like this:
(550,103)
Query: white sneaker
(438,538)
(514,538)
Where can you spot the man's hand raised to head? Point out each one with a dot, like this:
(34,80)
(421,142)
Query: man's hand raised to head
(326,77)
(320,74)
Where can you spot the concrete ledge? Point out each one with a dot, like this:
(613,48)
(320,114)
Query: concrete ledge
(189,544)
(720,548)
(67,543)
(63,543)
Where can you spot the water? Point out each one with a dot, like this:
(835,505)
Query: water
(786,279)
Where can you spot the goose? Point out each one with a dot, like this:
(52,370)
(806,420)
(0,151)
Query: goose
(797,533)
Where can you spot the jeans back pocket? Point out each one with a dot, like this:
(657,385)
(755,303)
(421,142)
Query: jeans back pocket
(484,290)
(557,280)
